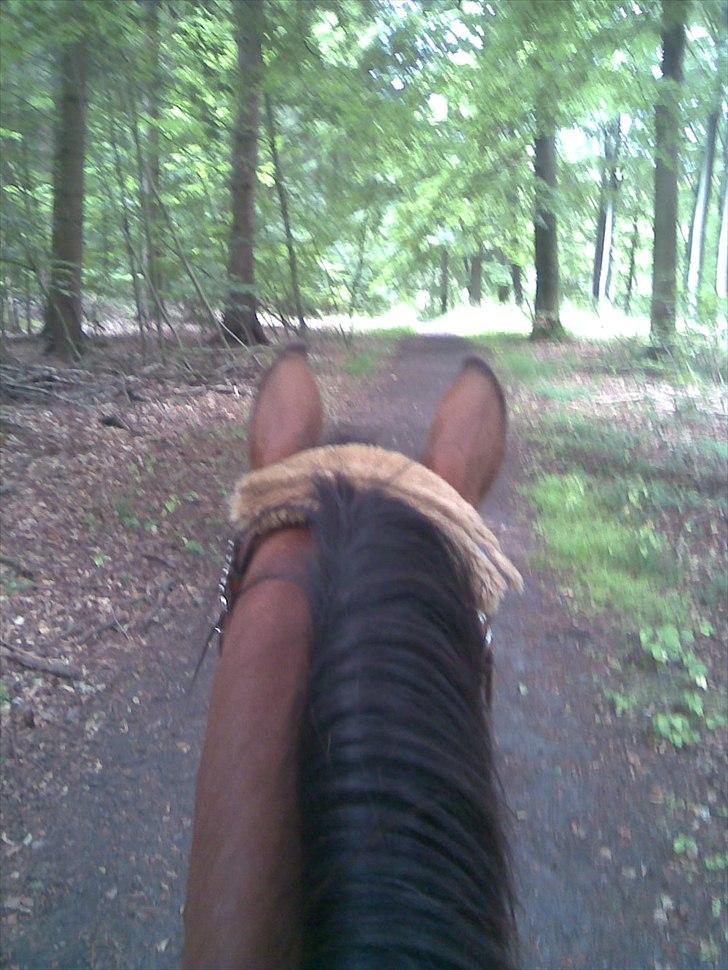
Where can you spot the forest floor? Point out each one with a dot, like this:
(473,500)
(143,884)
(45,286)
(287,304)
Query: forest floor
(611,672)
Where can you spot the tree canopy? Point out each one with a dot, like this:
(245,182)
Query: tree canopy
(395,152)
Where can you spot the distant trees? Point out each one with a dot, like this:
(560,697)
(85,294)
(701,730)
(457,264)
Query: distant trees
(338,158)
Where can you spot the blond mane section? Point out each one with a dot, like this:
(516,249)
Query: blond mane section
(283,493)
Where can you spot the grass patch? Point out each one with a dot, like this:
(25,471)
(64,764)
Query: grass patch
(602,449)
(612,564)
(392,333)
(515,357)
(599,536)
(361,364)
(563,392)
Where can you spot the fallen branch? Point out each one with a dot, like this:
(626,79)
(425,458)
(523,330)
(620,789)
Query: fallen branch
(33,662)
(18,567)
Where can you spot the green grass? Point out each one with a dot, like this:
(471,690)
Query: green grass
(513,357)
(361,364)
(392,333)
(563,392)
(611,563)
(605,449)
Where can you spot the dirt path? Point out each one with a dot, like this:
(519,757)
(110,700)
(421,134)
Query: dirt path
(108,871)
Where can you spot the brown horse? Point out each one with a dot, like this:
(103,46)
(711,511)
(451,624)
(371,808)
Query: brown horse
(346,813)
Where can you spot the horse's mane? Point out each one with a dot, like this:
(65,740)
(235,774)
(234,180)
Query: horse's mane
(405,863)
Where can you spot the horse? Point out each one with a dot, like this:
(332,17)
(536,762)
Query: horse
(348,812)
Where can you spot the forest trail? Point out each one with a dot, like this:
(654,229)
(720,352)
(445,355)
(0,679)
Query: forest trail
(112,860)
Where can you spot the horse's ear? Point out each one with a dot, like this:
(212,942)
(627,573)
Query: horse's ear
(468,434)
(287,414)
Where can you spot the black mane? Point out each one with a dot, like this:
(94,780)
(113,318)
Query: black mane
(405,863)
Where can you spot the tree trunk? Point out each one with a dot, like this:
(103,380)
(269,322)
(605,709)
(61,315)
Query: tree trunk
(696,238)
(283,202)
(517,284)
(444,279)
(667,141)
(630,272)
(359,270)
(721,269)
(63,332)
(546,322)
(240,317)
(123,210)
(475,280)
(601,274)
(503,290)
(151,171)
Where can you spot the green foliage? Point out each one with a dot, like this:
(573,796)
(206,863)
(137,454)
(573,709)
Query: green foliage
(360,365)
(612,562)
(676,728)
(685,845)
(717,862)
(193,546)
(126,516)
(403,129)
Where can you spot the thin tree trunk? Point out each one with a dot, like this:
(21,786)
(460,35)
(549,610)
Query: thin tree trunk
(152,215)
(201,296)
(444,279)
(126,231)
(630,272)
(358,272)
(283,202)
(667,152)
(601,274)
(475,280)
(517,282)
(546,322)
(504,290)
(240,316)
(28,304)
(63,313)
(696,238)
(721,269)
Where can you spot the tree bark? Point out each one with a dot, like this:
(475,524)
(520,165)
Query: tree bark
(667,142)
(696,238)
(240,316)
(63,331)
(546,322)
(504,290)
(444,279)
(475,279)
(283,202)
(721,269)
(601,274)
(517,282)
(630,271)
(153,216)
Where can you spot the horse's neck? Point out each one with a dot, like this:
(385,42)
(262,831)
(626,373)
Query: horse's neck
(242,904)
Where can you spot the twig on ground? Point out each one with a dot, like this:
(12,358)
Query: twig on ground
(33,662)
